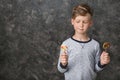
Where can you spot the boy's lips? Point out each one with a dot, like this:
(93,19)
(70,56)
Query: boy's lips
(81,29)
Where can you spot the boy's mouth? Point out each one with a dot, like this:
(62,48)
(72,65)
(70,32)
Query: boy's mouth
(81,29)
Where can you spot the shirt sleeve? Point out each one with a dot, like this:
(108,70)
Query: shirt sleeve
(61,68)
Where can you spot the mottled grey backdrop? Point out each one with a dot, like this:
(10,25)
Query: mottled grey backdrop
(31,32)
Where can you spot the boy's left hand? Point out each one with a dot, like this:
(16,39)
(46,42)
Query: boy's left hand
(104,58)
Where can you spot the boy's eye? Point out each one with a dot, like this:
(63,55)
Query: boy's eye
(77,21)
(85,22)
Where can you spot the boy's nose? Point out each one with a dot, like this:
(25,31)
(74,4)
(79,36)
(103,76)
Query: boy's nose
(81,24)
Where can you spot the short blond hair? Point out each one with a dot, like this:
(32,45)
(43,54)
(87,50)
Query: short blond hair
(81,9)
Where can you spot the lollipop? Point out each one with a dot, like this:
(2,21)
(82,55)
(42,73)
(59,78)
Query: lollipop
(106,45)
(64,48)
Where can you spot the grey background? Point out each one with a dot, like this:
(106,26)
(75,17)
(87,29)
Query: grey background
(31,32)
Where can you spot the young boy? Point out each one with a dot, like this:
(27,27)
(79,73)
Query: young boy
(80,56)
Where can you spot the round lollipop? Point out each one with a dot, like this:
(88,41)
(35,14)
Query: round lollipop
(64,48)
(106,45)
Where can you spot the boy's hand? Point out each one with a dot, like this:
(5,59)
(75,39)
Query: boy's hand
(104,58)
(64,58)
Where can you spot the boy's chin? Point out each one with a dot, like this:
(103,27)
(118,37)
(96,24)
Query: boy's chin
(81,32)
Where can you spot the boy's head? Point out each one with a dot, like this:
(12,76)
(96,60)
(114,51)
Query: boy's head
(81,10)
(81,18)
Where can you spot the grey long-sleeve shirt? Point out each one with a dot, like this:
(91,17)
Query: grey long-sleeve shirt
(83,58)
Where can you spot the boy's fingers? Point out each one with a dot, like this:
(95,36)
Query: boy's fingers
(64,54)
(64,60)
(105,54)
(107,59)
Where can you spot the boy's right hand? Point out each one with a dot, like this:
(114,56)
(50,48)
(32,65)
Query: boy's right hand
(64,58)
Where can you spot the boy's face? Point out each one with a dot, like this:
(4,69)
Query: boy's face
(82,23)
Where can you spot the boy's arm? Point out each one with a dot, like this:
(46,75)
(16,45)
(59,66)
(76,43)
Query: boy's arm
(62,68)
(98,66)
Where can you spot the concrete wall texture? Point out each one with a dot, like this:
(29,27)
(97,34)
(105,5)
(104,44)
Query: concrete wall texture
(31,32)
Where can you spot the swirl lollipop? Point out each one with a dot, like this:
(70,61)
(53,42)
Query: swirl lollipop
(64,48)
(106,45)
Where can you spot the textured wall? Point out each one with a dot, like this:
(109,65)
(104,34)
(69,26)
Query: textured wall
(31,32)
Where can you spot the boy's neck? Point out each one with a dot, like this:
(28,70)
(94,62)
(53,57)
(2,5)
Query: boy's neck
(83,37)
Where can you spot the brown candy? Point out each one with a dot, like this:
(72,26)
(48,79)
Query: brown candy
(106,45)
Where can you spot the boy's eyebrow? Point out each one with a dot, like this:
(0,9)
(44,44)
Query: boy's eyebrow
(80,20)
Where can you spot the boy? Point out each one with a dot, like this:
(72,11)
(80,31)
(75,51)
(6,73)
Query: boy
(80,56)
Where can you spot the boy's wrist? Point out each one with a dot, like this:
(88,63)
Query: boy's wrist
(101,65)
(63,66)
